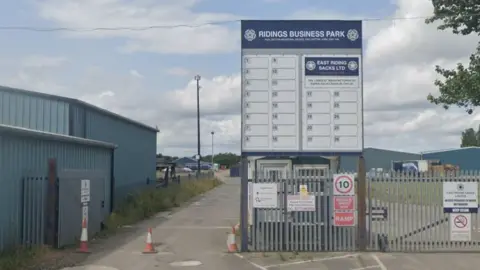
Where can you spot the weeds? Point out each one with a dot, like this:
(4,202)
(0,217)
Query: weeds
(135,208)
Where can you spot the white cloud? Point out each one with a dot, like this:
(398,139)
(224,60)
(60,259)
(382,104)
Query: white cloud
(43,61)
(89,14)
(136,74)
(399,72)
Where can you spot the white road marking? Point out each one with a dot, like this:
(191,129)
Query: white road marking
(250,262)
(367,267)
(313,260)
(380,264)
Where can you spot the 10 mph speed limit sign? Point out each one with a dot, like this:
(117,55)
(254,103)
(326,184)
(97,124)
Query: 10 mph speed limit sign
(343,185)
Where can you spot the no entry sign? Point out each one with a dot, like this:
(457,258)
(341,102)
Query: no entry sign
(343,185)
(344,219)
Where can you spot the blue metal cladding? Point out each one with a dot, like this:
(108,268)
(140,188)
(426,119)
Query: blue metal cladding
(376,158)
(135,157)
(21,109)
(25,153)
(467,158)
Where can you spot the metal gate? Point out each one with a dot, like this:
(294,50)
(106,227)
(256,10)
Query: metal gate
(404,213)
(408,213)
(278,227)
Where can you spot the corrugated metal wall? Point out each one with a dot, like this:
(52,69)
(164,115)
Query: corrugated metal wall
(466,158)
(34,112)
(135,157)
(24,155)
(376,158)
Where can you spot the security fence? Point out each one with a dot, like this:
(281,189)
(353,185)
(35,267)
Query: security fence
(319,211)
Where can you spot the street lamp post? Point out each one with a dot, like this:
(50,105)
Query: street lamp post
(197,78)
(213,133)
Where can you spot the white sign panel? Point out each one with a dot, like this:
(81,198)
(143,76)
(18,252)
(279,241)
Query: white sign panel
(343,185)
(332,102)
(265,195)
(85,190)
(250,203)
(270,102)
(294,98)
(460,197)
(460,227)
(301,203)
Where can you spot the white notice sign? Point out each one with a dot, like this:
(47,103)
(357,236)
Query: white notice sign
(265,195)
(300,203)
(460,197)
(460,227)
(85,191)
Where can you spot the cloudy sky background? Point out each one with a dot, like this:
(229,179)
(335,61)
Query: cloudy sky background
(148,75)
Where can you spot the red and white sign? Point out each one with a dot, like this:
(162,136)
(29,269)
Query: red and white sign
(460,227)
(343,185)
(344,219)
(344,203)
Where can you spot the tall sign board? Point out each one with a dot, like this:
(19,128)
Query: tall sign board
(302,88)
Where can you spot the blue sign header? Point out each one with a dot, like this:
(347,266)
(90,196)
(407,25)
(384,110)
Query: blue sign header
(301,34)
(331,66)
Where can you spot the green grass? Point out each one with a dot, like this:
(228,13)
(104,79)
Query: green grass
(134,209)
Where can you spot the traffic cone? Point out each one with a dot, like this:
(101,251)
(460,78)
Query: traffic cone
(231,242)
(149,249)
(84,238)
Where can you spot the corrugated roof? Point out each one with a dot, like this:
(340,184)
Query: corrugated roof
(79,102)
(449,150)
(18,131)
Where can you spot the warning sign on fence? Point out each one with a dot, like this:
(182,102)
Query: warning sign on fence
(460,227)
(343,185)
(344,219)
(344,203)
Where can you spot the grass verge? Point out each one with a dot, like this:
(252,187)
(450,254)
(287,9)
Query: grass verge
(135,208)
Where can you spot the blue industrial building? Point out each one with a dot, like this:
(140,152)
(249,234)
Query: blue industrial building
(135,158)
(25,153)
(467,158)
(375,158)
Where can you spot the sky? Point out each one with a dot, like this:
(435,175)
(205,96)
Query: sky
(148,75)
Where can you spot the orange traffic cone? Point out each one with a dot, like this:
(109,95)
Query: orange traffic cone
(149,249)
(84,238)
(231,241)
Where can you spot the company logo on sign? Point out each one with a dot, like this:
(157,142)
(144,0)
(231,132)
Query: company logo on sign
(352,65)
(310,65)
(250,34)
(352,34)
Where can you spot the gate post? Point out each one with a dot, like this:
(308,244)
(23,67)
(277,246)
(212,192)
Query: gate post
(361,200)
(244,204)
(51,213)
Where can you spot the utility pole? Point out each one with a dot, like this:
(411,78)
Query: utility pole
(213,169)
(197,78)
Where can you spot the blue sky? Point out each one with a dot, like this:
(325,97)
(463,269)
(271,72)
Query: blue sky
(148,75)
(101,52)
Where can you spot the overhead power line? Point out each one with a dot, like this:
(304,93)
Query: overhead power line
(166,26)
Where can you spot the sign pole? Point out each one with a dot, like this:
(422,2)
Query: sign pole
(244,204)
(361,199)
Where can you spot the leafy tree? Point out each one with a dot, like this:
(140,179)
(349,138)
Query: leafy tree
(227,159)
(469,138)
(461,86)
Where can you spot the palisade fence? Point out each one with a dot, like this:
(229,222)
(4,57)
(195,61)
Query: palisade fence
(404,212)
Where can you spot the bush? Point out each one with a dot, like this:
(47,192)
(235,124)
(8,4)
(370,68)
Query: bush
(145,204)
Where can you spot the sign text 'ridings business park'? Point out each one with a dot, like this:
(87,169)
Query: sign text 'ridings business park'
(302,88)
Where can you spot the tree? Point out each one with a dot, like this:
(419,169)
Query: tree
(227,159)
(461,86)
(469,138)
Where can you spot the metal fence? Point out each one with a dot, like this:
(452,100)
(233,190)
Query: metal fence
(64,220)
(403,212)
(409,213)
